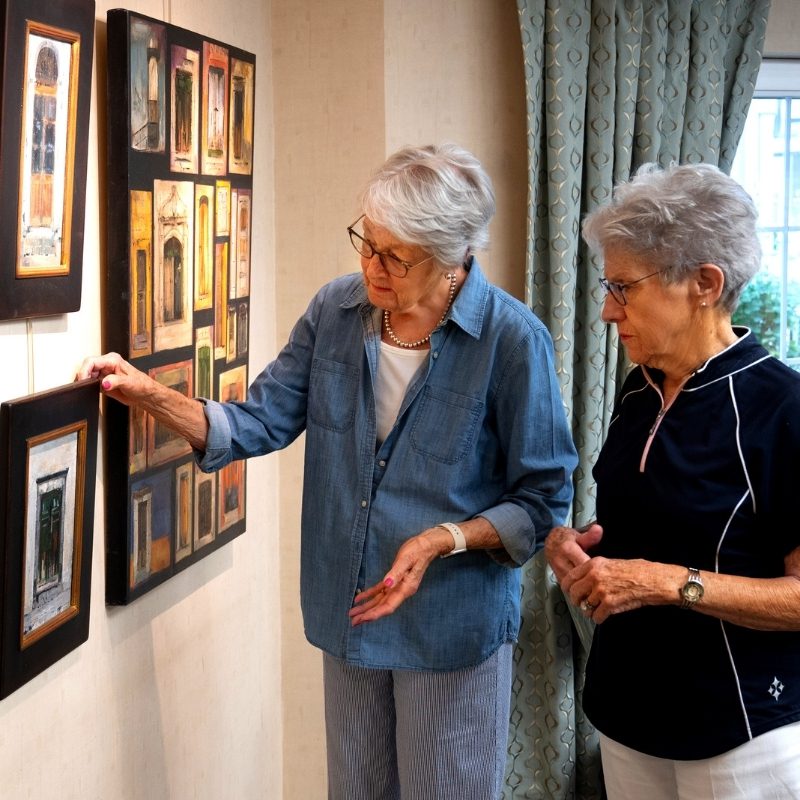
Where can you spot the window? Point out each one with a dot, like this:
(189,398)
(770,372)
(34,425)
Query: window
(767,164)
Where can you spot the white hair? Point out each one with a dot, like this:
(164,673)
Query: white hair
(438,197)
(680,217)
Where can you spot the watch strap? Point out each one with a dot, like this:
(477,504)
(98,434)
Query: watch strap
(459,540)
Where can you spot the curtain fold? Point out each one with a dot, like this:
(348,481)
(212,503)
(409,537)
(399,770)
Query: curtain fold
(610,85)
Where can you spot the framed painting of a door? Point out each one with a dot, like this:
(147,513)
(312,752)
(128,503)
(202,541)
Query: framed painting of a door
(48,447)
(47,48)
(180,159)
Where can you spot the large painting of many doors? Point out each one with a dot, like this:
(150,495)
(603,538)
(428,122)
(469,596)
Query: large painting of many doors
(180,205)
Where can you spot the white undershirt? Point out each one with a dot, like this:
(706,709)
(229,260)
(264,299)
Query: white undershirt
(397,367)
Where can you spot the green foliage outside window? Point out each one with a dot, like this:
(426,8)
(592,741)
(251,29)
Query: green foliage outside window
(759,309)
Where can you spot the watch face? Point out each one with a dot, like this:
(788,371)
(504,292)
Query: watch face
(692,592)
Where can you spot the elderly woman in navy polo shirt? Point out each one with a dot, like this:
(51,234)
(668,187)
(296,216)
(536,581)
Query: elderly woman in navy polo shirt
(692,570)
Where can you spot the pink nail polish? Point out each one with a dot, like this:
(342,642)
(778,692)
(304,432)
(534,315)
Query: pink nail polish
(389,582)
(106,384)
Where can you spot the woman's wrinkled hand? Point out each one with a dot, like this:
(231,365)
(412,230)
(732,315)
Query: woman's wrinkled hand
(565,548)
(118,378)
(400,582)
(601,586)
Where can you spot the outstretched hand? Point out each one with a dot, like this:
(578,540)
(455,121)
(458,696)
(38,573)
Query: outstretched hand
(400,582)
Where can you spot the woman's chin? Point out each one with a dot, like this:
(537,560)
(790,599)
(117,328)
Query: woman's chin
(382,298)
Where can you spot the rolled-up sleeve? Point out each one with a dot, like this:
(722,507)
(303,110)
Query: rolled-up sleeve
(218,442)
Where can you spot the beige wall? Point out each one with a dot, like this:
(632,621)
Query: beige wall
(783,29)
(176,696)
(205,688)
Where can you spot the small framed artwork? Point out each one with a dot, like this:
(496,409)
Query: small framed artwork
(147,85)
(184,475)
(214,119)
(232,387)
(240,244)
(241,116)
(204,504)
(204,247)
(48,443)
(184,101)
(204,362)
(223,208)
(180,206)
(163,444)
(47,49)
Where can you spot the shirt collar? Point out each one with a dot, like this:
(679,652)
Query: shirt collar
(468,309)
(741,354)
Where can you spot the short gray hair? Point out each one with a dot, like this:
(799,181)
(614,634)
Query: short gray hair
(679,217)
(438,197)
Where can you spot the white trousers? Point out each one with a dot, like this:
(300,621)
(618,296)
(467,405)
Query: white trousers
(765,768)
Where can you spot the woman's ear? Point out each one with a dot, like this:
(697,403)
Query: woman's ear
(709,283)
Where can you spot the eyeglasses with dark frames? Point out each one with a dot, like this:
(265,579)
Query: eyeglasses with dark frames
(617,290)
(390,262)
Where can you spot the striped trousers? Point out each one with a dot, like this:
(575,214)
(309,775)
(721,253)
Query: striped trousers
(410,735)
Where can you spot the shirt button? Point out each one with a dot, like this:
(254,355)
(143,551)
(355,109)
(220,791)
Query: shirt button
(363,504)
(381,463)
(435,354)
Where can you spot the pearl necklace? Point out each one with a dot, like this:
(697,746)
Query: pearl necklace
(399,342)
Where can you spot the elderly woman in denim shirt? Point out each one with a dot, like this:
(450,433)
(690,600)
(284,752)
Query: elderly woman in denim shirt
(434,428)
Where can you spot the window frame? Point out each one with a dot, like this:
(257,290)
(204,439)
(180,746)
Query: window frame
(779,79)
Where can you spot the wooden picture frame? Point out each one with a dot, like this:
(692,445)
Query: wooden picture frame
(47,48)
(177,304)
(231,497)
(48,443)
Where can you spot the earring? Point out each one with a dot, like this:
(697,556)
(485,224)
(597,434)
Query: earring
(703,304)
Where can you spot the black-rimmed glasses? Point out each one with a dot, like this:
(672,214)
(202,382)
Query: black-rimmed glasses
(390,262)
(617,290)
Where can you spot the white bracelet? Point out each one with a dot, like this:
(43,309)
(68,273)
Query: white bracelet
(459,540)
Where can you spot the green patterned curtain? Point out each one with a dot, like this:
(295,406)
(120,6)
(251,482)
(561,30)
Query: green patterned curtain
(610,84)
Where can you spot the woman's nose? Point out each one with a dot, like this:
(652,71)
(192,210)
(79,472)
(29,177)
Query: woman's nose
(375,262)
(612,310)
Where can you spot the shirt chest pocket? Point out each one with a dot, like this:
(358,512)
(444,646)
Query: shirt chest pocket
(446,424)
(332,395)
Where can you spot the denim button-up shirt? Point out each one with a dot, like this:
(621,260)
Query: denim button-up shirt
(481,432)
